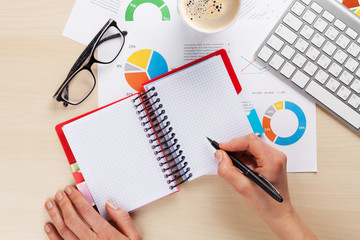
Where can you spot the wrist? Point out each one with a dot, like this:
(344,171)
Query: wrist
(289,225)
(282,213)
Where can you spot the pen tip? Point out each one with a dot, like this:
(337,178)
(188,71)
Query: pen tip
(209,139)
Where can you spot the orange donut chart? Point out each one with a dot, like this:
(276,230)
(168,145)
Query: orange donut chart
(272,110)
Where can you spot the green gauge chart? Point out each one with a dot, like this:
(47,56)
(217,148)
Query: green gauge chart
(134,4)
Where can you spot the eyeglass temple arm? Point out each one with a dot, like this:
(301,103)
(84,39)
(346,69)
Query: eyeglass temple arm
(124,33)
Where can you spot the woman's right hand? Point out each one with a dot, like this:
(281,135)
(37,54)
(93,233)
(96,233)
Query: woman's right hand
(270,163)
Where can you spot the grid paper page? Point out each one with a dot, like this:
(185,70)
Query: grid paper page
(116,158)
(201,102)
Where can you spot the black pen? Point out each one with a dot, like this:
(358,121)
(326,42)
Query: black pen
(257,178)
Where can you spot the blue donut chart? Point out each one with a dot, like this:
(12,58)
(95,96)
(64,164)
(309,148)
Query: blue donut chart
(279,106)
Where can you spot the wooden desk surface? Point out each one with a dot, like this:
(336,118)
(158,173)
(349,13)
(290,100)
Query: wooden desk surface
(34,59)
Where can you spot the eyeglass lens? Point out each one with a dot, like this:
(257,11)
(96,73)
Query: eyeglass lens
(109,45)
(80,86)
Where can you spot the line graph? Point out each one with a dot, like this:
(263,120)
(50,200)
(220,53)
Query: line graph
(251,67)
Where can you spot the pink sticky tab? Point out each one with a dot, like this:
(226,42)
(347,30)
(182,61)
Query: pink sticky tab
(83,188)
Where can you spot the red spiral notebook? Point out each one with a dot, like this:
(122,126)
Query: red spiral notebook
(141,148)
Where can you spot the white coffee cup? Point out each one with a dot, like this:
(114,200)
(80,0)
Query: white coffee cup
(209,16)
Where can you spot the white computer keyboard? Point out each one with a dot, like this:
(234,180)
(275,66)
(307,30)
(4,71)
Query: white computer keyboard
(315,46)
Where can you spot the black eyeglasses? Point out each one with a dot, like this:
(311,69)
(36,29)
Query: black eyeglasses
(81,81)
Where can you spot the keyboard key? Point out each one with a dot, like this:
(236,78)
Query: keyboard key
(356,85)
(316,7)
(320,24)
(265,53)
(287,70)
(313,53)
(339,24)
(346,77)
(358,72)
(310,68)
(307,32)
(332,84)
(324,61)
(318,40)
(321,76)
(340,56)
(275,43)
(331,33)
(343,41)
(354,101)
(299,60)
(298,8)
(306,1)
(351,64)
(309,16)
(286,34)
(353,49)
(333,103)
(351,33)
(288,52)
(344,92)
(335,69)
(329,48)
(293,21)
(276,62)
(300,79)
(301,45)
(328,16)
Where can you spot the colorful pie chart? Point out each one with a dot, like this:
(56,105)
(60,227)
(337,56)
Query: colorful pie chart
(142,66)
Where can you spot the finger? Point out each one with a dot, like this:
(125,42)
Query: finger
(245,158)
(122,220)
(51,232)
(231,174)
(72,219)
(58,220)
(250,142)
(86,211)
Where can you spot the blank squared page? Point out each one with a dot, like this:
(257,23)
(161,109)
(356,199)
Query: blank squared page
(116,158)
(201,102)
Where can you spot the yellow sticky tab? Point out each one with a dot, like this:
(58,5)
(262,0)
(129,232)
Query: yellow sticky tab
(279,105)
(140,58)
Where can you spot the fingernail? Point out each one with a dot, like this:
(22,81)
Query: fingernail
(219,155)
(59,196)
(112,205)
(47,228)
(68,190)
(49,205)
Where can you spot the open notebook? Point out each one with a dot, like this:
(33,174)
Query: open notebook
(141,148)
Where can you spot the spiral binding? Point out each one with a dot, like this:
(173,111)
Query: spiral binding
(158,129)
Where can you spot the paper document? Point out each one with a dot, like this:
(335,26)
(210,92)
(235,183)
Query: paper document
(158,40)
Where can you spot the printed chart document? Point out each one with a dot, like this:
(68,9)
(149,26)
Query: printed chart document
(158,41)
